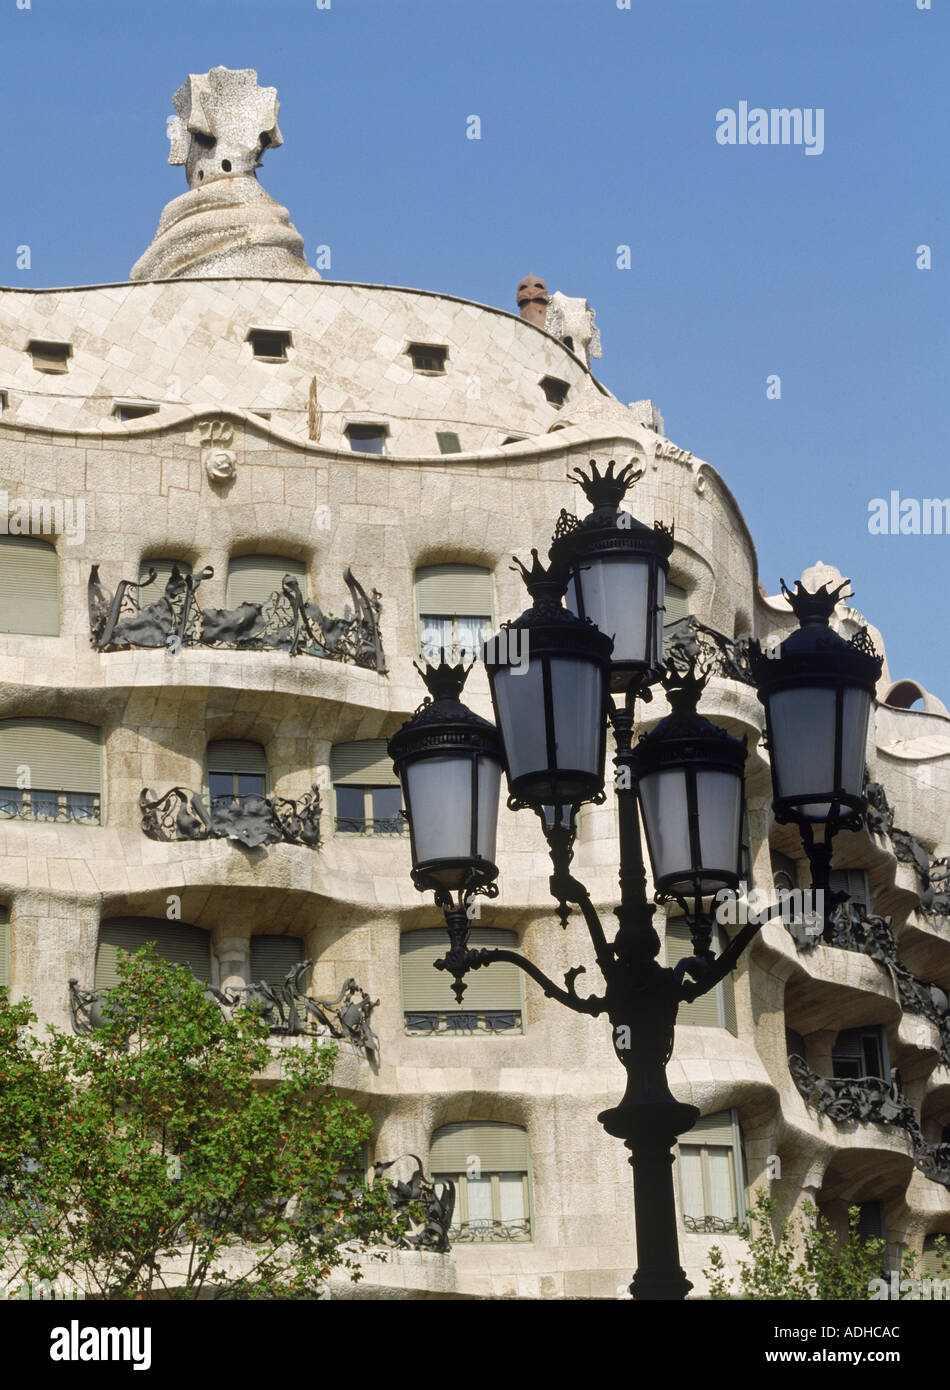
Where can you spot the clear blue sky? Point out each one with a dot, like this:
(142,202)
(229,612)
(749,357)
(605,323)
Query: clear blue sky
(598,129)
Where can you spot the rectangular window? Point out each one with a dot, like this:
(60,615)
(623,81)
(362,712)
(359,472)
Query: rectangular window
(81,808)
(269,344)
(459,638)
(369,810)
(50,357)
(367,439)
(490,1207)
(228,787)
(448,442)
(860,1052)
(428,358)
(711,1178)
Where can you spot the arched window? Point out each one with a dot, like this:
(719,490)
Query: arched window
(29,586)
(50,770)
(454,607)
(712,1174)
(489,1164)
(237,770)
(366,792)
(177,942)
(492,1002)
(255,578)
(715,1009)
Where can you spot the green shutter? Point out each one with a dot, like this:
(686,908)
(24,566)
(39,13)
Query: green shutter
(448,442)
(62,756)
(713,1129)
(272,957)
(253,578)
(29,586)
(236,755)
(4,946)
(500,1148)
(677,604)
(177,942)
(454,591)
(496,986)
(704,1011)
(853,882)
(364,763)
(163,569)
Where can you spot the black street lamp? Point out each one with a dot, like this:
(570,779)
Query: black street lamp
(687,777)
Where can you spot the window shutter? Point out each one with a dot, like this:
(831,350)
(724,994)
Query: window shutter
(29,586)
(704,1011)
(62,756)
(156,590)
(498,986)
(500,1148)
(363,763)
(854,882)
(454,591)
(253,578)
(272,957)
(236,755)
(677,604)
(713,1129)
(177,942)
(4,946)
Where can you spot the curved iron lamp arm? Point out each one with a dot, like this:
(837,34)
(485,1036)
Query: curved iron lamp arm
(727,959)
(486,955)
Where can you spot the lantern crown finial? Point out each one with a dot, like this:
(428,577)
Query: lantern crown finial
(813,608)
(683,688)
(543,584)
(444,682)
(606,489)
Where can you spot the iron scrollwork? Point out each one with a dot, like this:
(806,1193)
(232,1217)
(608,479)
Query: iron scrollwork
(690,642)
(285,622)
(427,1206)
(180,814)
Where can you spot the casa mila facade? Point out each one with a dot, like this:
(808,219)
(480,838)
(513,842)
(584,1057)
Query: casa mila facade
(239,501)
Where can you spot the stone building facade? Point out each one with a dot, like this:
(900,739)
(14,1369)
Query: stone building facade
(253,421)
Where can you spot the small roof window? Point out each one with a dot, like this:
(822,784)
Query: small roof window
(428,358)
(554,390)
(270,344)
(50,357)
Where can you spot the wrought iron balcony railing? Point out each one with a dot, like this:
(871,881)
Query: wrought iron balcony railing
(286,622)
(371,825)
(253,821)
(469,1232)
(454,1021)
(871,1100)
(711,1224)
(689,642)
(65,808)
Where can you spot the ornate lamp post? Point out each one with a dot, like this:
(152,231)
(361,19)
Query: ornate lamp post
(686,777)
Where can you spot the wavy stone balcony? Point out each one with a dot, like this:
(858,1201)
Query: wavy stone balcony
(285,622)
(253,821)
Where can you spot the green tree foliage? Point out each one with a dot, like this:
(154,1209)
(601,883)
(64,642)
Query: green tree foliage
(803,1260)
(152,1159)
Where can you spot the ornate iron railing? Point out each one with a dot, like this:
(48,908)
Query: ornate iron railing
(426,1205)
(711,1224)
(470,1232)
(689,642)
(287,1009)
(453,1021)
(375,825)
(180,814)
(63,808)
(285,622)
(871,1100)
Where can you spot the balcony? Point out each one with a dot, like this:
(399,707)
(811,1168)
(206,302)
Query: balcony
(285,622)
(253,821)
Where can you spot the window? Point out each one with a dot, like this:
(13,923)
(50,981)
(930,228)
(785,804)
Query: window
(133,410)
(269,344)
(29,586)
(273,958)
(711,1173)
(492,1002)
(428,358)
(860,1052)
(555,390)
(677,608)
(784,872)
(366,791)
(932,1266)
(237,772)
(872,1225)
(177,942)
(448,442)
(794,1043)
(4,947)
(256,578)
(854,882)
(4,401)
(151,593)
(513,439)
(367,439)
(454,604)
(49,770)
(50,357)
(488,1162)
(717,1009)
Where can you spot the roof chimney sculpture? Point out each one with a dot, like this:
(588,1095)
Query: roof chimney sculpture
(226,225)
